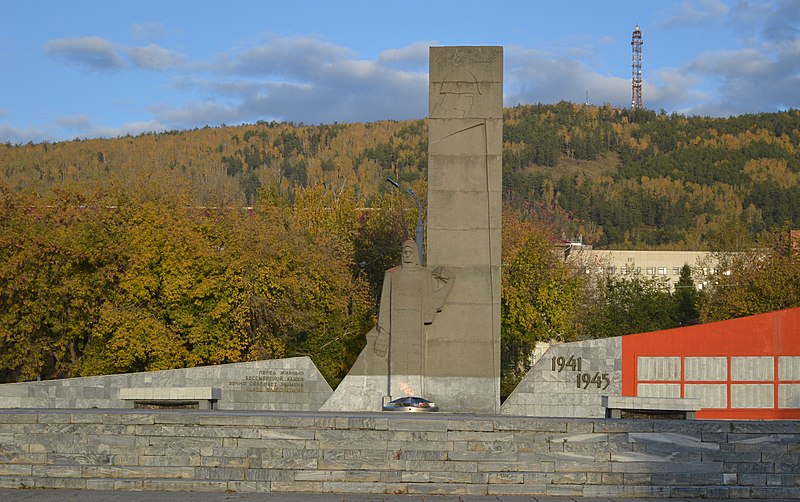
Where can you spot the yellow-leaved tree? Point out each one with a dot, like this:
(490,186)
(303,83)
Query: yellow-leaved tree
(538,298)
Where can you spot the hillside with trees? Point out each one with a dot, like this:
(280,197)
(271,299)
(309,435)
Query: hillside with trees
(620,179)
(239,243)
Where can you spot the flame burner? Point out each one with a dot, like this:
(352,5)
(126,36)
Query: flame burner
(411,404)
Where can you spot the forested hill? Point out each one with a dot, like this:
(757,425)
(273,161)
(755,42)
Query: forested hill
(617,178)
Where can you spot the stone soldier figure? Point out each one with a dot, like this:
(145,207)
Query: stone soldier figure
(410,298)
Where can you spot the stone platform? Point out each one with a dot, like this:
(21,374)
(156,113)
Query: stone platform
(430,454)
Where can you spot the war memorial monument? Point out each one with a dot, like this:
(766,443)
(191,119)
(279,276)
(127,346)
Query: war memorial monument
(448,354)
(596,418)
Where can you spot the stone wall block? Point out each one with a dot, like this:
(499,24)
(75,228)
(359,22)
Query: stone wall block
(276,444)
(470,425)
(20,418)
(774,492)
(791,456)
(531,490)
(531,425)
(296,487)
(60,483)
(443,446)
(731,457)
(790,479)
(120,460)
(437,455)
(367,423)
(767,427)
(612,478)
(248,486)
(290,463)
(352,487)
(369,455)
(17,482)
(183,485)
(748,467)
(16,470)
(665,466)
(645,491)
(144,472)
(79,459)
(218,473)
(440,466)
(624,426)
(586,466)
(351,464)
(407,424)
(506,478)
(267,474)
(170,460)
(419,436)
(564,490)
(688,492)
(751,479)
(452,489)
(784,468)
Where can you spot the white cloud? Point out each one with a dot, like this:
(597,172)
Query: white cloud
(304,80)
(94,53)
(291,57)
(743,63)
(673,89)
(695,12)
(75,123)
(196,114)
(154,57)
(147,31)
(760,73)
(413,57)
(540,77)
(132,128)
(22,135)
(782,24)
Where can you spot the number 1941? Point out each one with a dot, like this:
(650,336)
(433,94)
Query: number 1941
(562,363)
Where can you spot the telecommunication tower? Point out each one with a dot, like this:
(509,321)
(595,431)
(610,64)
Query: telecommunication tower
(636,80)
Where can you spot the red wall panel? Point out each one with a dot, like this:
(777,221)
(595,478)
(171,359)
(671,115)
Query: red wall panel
(773,335)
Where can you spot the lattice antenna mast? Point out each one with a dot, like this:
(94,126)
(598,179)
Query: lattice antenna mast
(636,70)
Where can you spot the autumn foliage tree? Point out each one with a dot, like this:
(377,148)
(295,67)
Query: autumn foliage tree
(761,279)
(538,296)
(144,281)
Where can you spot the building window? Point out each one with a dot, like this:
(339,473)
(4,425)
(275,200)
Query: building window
(611,270)
(651,271)
(676,271)
(662,271)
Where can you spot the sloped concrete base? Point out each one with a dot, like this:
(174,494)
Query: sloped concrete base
(570,380)
(276,384)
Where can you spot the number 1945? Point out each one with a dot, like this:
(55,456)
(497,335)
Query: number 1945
(601,380)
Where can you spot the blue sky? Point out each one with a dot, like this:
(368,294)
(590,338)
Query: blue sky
(89,68)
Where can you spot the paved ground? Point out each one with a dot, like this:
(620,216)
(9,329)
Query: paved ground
(7,495)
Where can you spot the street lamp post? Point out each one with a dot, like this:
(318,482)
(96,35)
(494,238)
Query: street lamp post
(419,234)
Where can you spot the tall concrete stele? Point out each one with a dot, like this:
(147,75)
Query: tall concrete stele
(465,139)
(453,358)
